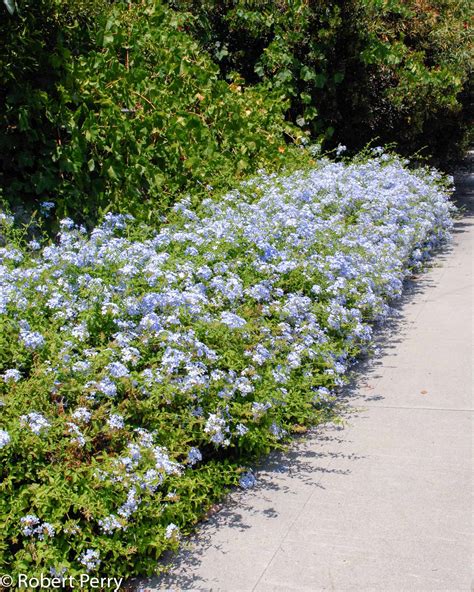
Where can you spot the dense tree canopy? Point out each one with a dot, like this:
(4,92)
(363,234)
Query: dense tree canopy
(125,105)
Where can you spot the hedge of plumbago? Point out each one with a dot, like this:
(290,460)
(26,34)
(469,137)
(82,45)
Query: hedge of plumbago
(141,368)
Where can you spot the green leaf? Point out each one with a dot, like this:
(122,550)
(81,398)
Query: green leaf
(108,40)
(10,5)
(111,173)
(307,73)
(310,113)
(320,80)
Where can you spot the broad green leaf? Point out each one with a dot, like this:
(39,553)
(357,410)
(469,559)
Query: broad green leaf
(10,5)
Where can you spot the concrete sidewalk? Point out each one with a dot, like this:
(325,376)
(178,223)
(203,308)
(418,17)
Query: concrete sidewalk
(383,502)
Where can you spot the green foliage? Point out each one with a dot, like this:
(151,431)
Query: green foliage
(355,70)
(37,45)
(413,82)
(290,46)
(115,105)
(130,113)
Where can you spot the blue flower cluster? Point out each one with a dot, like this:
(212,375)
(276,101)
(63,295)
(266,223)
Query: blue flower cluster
(32,526)
(142,354)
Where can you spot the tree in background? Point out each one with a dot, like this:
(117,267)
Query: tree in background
(354,70)
(115,106)
(126,105)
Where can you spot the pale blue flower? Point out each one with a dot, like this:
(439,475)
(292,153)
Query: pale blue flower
(11,375)
(36,422)
(90,559)
(194,456)
(172,532)
(82,414)
(116,421)
(247,480)
(5,438)
(232,320)
(110,524)
(118,370)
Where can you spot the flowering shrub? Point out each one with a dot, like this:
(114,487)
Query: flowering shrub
(142,368)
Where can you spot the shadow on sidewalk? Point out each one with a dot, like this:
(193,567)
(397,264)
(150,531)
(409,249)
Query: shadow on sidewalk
(304,460)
